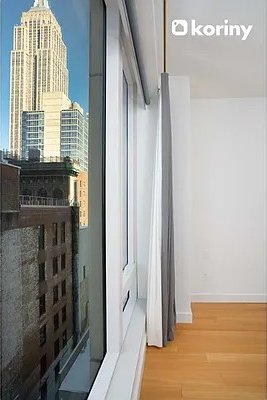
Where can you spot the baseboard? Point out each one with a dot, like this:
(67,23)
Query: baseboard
(228,298)
(184,317)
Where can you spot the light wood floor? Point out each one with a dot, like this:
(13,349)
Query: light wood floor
(221,356)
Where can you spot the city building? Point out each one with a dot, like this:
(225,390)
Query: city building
(38,65)
(74,135)
(37,270)
(58,180)
(41,114)
(32,132)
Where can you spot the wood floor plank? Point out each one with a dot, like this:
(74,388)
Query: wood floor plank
(220,356)
(222,392)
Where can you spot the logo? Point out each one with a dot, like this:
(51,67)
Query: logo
(180,27)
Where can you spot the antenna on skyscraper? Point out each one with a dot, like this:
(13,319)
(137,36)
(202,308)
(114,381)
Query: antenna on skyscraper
(41,3)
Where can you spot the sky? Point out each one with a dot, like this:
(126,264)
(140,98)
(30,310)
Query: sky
(72,16)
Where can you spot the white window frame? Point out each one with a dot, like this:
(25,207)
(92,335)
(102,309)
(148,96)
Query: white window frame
(118,281)
(129,274)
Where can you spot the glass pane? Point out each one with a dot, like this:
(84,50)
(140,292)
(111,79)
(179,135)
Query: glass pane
(52,222)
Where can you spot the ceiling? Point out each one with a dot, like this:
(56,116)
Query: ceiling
(217,66)
(220,66)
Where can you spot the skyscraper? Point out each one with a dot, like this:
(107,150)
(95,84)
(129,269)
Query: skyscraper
(41,114)
(38,65)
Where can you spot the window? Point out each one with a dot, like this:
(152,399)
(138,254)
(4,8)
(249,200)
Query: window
(58,231)
(84,272)
(64,338)
(42,193)
(43,391)
(55,266)
(63,288)
(41,236)
(42,305)
(43,335)
(57,371)
(55,294)
(41,272)
(54,233)
(63,232)
(43,366)
(56,322)
(63,261)
(56,348)
(64,314)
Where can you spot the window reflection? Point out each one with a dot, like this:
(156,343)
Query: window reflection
(54,213)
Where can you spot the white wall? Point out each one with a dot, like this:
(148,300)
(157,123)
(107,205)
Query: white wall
(181,130)
(219,176)
(228,199)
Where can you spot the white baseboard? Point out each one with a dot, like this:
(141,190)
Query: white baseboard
(184,317)
(228,298)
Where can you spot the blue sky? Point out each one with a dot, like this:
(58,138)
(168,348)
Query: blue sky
(72,15)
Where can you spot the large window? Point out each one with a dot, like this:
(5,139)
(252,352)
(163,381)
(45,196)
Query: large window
(53,242)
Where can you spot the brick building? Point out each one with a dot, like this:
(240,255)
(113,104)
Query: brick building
(38,256)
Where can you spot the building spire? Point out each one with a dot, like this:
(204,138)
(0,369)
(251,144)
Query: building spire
(41,3)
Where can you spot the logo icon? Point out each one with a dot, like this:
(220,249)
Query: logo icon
(179,27)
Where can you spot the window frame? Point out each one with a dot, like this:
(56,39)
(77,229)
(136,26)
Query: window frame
(117,280)
(129,278)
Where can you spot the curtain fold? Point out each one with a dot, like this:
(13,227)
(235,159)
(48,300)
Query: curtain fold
(161,312)
(167,248)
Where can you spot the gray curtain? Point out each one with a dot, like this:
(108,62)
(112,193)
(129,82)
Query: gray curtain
(168,268)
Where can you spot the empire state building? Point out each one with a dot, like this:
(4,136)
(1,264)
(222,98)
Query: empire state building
(38,67)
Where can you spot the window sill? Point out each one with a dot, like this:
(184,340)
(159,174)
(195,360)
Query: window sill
(120,374)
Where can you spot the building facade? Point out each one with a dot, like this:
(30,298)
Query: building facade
(60,181)
(37,269)
(41,114)
(74,135)
(38,65)
(32,132)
